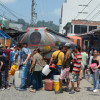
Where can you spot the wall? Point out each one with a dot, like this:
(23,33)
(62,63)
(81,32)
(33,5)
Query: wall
(71,8)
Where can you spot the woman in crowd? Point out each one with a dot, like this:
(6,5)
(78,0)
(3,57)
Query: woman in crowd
(37,67)
(95,59)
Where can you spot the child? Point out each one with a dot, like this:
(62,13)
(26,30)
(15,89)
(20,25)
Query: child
(4,71)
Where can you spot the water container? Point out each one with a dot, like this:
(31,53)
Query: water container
(48,85)
(13,69)
(46,70)
(56,83)
(56,78)
(56,86)
(17,79)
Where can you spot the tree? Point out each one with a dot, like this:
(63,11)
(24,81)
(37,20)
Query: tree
(48,24)
(42,23)
(21,21)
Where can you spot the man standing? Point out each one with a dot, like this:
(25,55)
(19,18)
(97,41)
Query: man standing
(60,61)
(65,68)
(25,61)
(84,62)
(7,53)
(76,70)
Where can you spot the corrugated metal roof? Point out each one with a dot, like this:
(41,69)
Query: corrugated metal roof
(89,33)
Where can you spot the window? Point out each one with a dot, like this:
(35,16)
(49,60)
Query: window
(80,29)
(70,29)
(35,38)
(83,29)
(77,29)
(92,28)
(78,42)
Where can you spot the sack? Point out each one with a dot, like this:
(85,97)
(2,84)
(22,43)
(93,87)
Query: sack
(55,61)
(52,66)
(92,66)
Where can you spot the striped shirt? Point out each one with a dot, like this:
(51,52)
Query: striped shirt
(77,63)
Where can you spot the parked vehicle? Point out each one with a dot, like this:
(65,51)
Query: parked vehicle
(77,40)
(46,39)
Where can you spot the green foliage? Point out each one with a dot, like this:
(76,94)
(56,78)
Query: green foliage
(21,21)
(48,24)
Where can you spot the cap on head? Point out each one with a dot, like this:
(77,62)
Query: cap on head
(67,45)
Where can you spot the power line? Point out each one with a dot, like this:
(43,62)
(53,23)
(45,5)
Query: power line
(4,12)
(12,12)
(7,18)
(93,10)
(8,10)
(18,13)
(97,14)
(83,8)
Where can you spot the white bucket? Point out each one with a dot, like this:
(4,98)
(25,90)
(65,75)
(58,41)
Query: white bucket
(56,78)
(46,70)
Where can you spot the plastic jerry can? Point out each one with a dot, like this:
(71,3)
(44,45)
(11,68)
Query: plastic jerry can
(17,79)
(13,69)
(49,85)
(46,70)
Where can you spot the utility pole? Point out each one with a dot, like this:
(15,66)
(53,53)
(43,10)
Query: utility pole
(32,12)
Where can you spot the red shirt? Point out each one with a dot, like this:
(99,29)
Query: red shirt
(77,63)
(7,53)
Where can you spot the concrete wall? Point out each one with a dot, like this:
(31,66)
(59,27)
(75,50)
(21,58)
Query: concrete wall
(71,8)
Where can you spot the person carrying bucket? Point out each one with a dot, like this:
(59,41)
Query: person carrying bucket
(65,68)
(60,55)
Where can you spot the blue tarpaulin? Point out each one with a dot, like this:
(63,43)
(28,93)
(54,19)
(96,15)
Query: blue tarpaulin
(4,35)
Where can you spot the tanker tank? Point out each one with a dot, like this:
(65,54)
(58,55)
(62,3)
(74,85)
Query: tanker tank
(46,39)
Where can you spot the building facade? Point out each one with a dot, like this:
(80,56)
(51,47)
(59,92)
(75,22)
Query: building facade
(73,10)
(16,26)
(88,31)
(81,26)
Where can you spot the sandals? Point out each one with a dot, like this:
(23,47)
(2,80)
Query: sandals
(71,92)
(77,90)
(66,89)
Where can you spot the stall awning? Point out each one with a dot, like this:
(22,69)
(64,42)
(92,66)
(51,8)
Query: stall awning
(93,32)
(4,35)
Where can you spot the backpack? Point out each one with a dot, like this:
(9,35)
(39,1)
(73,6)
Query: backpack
(55,61)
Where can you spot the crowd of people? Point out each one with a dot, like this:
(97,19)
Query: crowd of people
(72,65)
(75,65)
